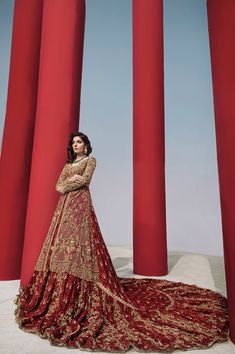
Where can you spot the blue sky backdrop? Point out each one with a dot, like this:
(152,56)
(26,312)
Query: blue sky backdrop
(193,205)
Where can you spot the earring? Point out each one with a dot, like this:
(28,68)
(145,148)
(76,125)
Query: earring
(85,151)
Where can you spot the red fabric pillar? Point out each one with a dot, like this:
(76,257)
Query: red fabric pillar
(149,214)
(18,133)
(221,22)
(57,114)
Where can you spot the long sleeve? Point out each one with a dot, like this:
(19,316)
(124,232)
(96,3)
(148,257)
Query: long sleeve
(64,185)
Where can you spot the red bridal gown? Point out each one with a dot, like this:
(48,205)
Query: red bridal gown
(76,299)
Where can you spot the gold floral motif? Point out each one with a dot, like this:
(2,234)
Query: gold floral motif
(75,296)
(118,298)
(69,245)
(85,168)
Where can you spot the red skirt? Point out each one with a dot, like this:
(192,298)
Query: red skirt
(75,298)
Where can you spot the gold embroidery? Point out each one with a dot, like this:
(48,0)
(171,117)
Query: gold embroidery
(76,299)
(69,245)
(108,326)
(85,168)
(115,296)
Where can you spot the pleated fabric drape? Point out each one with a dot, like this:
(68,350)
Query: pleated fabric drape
(43,106)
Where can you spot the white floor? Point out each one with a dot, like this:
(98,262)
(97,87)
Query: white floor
(205,271)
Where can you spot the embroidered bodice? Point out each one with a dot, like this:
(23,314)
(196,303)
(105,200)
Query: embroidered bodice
(84,168)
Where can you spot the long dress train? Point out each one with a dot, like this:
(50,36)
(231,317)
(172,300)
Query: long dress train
(76,299)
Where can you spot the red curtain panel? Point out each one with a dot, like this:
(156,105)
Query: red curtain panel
(149,210)
(221,23)
(58,109)
(18,133)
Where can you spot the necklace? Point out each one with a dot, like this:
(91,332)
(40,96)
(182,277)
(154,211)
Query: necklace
(75,161)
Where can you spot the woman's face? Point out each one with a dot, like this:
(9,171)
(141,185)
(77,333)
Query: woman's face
(78,145)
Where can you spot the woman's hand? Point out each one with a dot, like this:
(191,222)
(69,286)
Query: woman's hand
(76,178)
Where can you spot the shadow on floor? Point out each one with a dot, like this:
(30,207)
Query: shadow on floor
(216,265)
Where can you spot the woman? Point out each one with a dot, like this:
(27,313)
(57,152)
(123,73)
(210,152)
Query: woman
(76,299)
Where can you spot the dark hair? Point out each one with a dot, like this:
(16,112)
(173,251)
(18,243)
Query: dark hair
(70,152)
